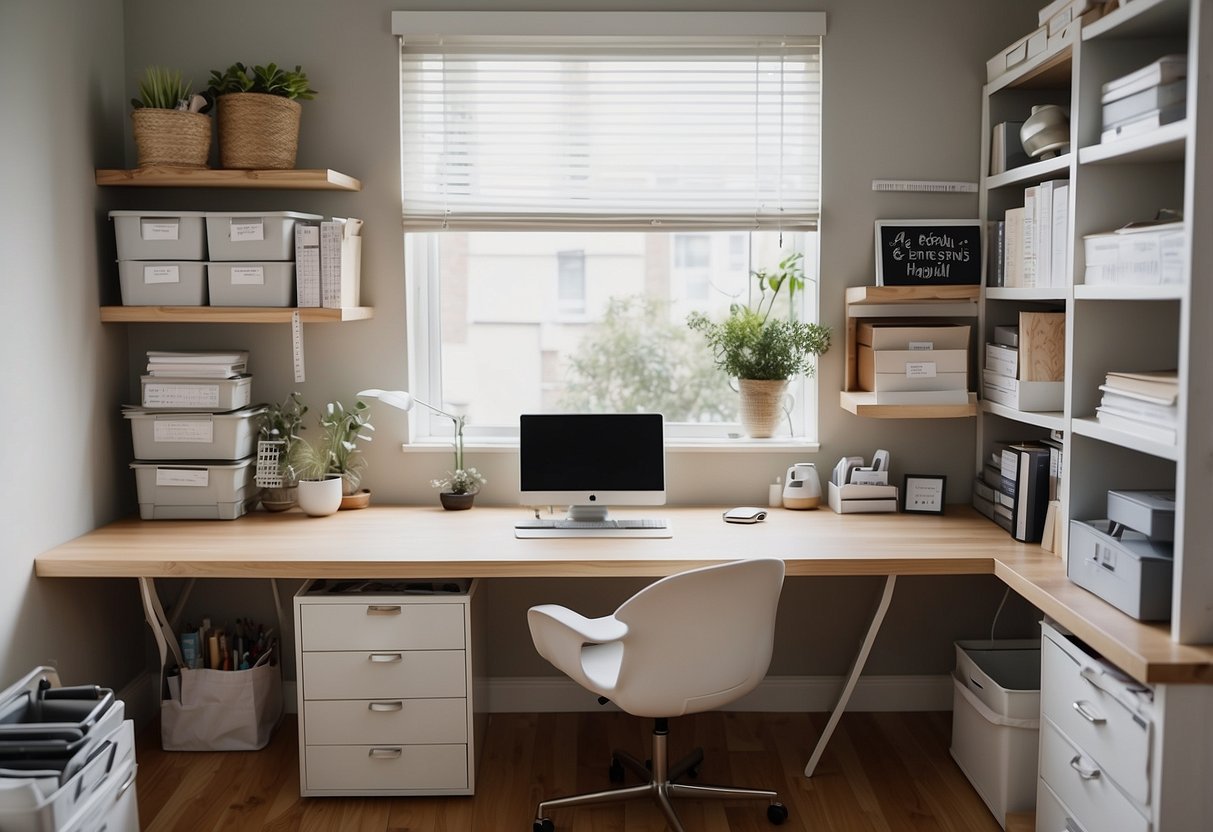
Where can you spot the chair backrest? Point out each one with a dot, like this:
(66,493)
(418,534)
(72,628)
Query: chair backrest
(699,639)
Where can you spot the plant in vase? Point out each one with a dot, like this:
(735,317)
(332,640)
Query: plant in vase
(170,125)
(764,351)
(258,114)
(281,423)
(342,430)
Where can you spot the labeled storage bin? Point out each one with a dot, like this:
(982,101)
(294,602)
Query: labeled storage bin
(160,235)
(1131,572)
(996,721)
(193,435)
(203,491)
(267,283)
(162,282)
(197,394)
(267,235)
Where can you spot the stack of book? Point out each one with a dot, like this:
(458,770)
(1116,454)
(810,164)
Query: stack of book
(196,364)
(1144,404)
(1145,100)
(1013,489)
(1025,365)
(1030,249)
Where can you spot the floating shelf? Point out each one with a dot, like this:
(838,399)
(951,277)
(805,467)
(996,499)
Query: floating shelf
(863,403)
(912,301)
(230,314)
(1030,173)
(172,177)
(1051,421)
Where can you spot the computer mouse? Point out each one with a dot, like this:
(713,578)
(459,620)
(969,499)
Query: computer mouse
(745,514)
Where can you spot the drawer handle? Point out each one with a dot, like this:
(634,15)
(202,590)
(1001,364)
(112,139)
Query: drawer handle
(385,707)
(385,753)
(383,609)
(384,658)
(1084,773)
(130,781)
(1082,706)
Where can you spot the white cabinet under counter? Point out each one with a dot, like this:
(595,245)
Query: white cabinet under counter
(388,675)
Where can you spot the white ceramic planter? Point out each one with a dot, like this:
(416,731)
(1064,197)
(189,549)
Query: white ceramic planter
(318,498)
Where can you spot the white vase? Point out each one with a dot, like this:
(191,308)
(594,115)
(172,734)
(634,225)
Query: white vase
(320,497)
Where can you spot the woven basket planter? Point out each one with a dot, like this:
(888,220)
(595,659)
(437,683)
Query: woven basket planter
(761,405)
(257,131)
(171,137)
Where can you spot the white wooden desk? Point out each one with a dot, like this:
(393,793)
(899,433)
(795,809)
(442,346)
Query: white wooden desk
(413,542)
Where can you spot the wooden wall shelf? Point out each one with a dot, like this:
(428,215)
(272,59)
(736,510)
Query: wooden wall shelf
(171,177)
(230,314)
(863,403)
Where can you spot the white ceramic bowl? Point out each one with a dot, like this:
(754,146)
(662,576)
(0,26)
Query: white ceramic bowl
(1046,133)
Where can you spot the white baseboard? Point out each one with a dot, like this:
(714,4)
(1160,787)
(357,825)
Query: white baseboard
(552,694)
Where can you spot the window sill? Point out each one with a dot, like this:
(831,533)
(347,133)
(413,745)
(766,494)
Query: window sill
(677,446)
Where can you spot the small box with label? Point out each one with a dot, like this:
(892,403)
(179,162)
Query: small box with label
(159,235)
(193,435)
(184,491)
(268,235)
(266,283)
(162,282)
(894,359)
(197,394)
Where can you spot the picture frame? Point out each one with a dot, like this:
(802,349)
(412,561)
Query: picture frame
(928,252)
(923,493)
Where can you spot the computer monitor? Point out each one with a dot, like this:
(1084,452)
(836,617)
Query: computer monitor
(592,461)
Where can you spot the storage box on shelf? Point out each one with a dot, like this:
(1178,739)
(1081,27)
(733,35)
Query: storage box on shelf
(160,257)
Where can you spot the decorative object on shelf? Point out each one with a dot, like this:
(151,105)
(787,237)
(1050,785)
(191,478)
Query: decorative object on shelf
(460,485)
(170,126)
(928,252)
(923,493)
(802,489)
(278,453)
(258,113)
(763,352)
(320,496)
(1046,133)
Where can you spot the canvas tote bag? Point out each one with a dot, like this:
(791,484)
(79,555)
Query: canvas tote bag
(215,710)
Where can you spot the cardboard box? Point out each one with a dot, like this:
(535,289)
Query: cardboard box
(901,382)
(902,337)
(922,367)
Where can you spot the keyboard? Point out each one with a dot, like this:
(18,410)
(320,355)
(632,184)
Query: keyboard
(642,527)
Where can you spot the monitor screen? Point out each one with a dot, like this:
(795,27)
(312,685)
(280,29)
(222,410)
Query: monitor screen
(592,459)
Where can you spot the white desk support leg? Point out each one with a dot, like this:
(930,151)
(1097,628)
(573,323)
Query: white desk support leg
(848,688)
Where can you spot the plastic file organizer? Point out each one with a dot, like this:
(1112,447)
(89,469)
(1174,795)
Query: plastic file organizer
(67,758)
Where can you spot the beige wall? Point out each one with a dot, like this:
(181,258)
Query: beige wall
(902,100)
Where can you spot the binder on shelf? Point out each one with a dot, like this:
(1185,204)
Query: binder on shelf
(307,263)
(340,262)
(1031,463)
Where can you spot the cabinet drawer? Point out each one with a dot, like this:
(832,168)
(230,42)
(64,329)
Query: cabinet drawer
(1079,698)
(401,674)
(402,721)
(1051,814)
(365,768)
(381,626)
(1080,783)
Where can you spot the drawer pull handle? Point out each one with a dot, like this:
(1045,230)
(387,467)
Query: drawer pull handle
(385,753)
(130,781)
(383,609)
(1082,706)
(385,707)
(384,658)
(1084,773)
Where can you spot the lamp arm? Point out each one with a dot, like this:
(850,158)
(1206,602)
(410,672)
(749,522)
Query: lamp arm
(437,410)
(458,442)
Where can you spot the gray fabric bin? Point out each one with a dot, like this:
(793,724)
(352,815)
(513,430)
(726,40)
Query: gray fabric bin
(253,235)
(267,283)
(201,491)
(162,282)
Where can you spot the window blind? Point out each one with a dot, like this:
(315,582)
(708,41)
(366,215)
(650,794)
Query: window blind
(619,133)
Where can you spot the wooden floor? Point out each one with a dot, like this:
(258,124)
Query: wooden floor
(881,772)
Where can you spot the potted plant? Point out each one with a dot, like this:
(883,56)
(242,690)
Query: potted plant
(258,113)
(337,455)
(169,125)
(281,423)
(763,351)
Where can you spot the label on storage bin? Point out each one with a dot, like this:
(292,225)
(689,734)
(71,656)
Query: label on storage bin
(920,369)
(183,430)
(181,395)
(159,229)
(244,230)
(197,478)
(922,345)
(248,275)
(161,274)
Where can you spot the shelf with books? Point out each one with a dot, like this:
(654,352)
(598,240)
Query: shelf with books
(1051,420)
(1092,427)
(1031,173)
(1162,144)
(231,314)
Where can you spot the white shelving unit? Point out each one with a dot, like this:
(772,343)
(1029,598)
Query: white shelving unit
(1129,328)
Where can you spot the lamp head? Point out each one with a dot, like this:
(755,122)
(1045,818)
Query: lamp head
(396,398)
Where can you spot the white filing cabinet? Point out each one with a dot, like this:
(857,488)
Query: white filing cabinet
(389,687)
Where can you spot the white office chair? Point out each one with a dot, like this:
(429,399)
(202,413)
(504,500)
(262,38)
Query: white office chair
(687,643)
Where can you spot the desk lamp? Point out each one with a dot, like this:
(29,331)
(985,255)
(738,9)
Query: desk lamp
(403,400)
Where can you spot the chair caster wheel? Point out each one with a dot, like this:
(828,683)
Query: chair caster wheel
(615,772)
(777,813)
(546,825)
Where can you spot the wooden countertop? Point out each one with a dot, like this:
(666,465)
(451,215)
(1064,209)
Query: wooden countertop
(416,542)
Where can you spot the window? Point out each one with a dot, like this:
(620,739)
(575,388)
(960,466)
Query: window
(568,200)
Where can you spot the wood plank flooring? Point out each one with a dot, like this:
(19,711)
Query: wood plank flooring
(882,772)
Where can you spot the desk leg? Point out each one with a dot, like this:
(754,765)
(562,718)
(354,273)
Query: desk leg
(848,688)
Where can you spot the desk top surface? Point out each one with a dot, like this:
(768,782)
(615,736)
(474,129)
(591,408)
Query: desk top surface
(415,542)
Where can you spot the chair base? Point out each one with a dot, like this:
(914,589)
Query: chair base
(660,787)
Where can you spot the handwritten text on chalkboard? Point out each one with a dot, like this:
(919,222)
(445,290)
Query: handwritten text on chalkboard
(928,252)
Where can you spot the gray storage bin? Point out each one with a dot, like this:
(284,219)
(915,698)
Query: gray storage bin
(159,235)
(267,283)
(162,282)
(192,435)
(1132,572)
(213,395)
(205,491)
(253,235)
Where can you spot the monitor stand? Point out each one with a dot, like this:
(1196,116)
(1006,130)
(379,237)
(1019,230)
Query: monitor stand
(590,514)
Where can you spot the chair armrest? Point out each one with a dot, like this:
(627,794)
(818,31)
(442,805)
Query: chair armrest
(559,635)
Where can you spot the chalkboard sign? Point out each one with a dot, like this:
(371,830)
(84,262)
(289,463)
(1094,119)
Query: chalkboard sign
(928,252)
